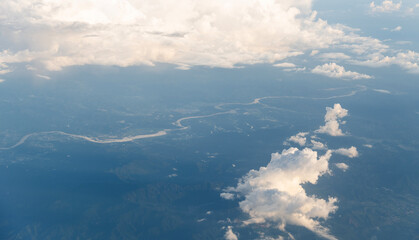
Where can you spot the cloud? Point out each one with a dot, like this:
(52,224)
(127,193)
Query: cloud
(342,166)
(4,68)
(386,6)
(53,35)
(318,145)
(335,71)
(43,76)
(382,91)
(274,194)
(228,196)
(349,152)
(1,80)
(230,235)
(332,120)
(183,32)
(285,65)
(299,138)
(396,29)
(334,55)
(407,60)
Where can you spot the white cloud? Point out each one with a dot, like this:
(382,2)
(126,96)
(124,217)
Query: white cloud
(368,145)
(228,196)
(43,76)
(52,35)
(407,60)
(230,235)
(332,120)
(301,69)
(396,29)
(314,52)
(349,152)
(1,80)
(318,145)
(386,6)
(342,166)
(186,33)
(382,91)
(300,138)
(181,32)
(4,68)
(285,65)
(334,55)
(336,71)
(274,194)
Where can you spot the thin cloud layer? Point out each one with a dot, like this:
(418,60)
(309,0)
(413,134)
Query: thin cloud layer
(336,71)
(332,120)
(273,194)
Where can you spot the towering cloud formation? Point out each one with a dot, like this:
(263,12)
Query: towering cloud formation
(274,193)
(332,120)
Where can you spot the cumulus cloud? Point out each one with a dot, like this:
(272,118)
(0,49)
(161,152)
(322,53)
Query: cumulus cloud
(349,152)
(386,6)
(52,35)
(342,166)
(332,120)
(336,71)
(408,60)
(274,194)
(318,145)
(185,32)
(230,235)
(300,138)
(228,196)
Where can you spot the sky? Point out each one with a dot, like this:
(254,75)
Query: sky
(338,40)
